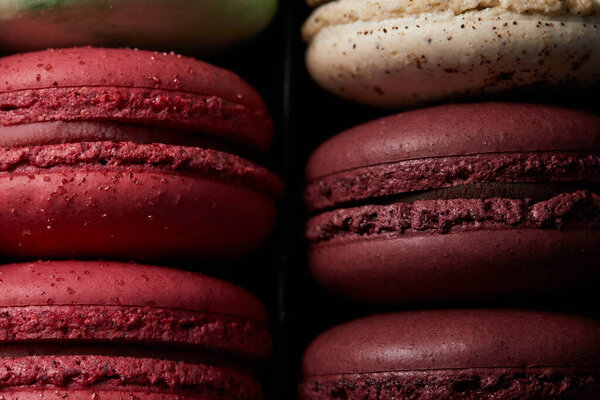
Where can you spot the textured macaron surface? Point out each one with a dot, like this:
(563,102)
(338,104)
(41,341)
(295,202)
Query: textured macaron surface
(73,301)
(348,11)
(129,154)
(123,377)
(109,156)
(132,201)
(404,204)
(464,354)
(112,328)
(186,25)
(132,86)
(401,53)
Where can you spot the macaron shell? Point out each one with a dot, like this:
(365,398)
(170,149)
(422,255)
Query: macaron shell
(443,339)
(128,201)
(133,86)
(437,267)
(101,282)
(457,130)
(180,24)
(89,303)
(145,215)
(410,61)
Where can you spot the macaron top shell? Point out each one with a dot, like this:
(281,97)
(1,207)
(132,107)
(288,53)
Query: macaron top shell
(349,11)
(449,339)
(457,130)
(236,110)
(88,66)
(96,283)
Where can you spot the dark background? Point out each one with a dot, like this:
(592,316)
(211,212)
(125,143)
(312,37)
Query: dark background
(305,116)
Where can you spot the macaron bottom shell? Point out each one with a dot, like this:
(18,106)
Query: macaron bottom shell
(178,24)
(463,384)
(124,214)
(477,264)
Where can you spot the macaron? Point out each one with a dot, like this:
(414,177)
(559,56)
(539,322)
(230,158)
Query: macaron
(457,202)
(106,330)
(405,53)
(184,25)
(456,354)
(126,154)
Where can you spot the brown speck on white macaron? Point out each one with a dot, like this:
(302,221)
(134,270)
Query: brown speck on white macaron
(500,30)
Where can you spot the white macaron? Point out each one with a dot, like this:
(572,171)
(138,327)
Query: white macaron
(404,53)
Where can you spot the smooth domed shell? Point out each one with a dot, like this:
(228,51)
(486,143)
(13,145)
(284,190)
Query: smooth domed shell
(424,340)
(102,283)
(218,101)
(457,129)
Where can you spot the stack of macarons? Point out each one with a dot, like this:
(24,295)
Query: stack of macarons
(113,155)
(109,331)
(457,203)
(131,154)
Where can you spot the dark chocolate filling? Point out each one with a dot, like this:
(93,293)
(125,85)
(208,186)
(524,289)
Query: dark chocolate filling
(534,191)
(412,176)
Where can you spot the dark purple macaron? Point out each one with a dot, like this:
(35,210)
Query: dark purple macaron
(456,354)
(457,201)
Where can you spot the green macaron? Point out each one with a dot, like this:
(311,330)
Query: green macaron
(184,25)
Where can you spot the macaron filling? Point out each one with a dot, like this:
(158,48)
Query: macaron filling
(393,178)
(58,132)
(537,190)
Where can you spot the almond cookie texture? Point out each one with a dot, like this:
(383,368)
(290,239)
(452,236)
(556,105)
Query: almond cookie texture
(402,53)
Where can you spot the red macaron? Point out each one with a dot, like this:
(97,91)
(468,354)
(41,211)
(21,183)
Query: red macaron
(456,354)
(457,201)
(130,154)
(105,330)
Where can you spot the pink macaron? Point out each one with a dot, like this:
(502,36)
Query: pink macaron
(465,354)
(130,154)
(107,331)
(456,202)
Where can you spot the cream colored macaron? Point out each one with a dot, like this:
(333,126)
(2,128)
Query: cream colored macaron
(404,53)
